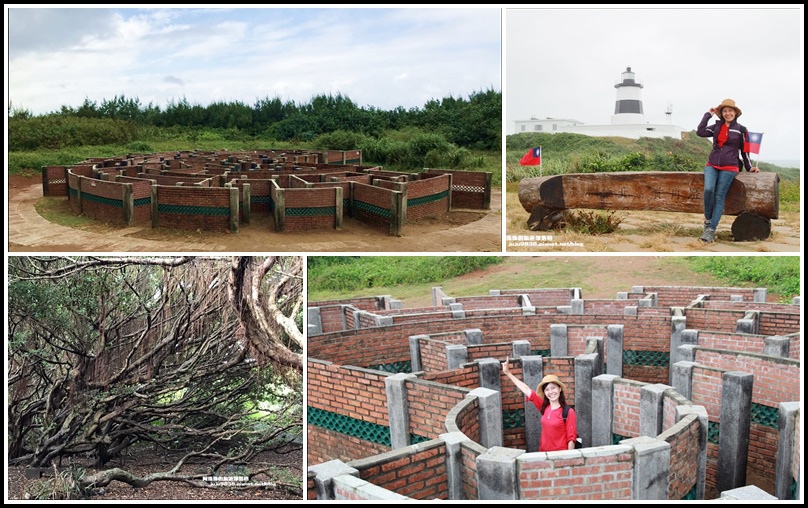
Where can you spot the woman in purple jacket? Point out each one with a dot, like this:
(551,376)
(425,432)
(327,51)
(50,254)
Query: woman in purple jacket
(729,139)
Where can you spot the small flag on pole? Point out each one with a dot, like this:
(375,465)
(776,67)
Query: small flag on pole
(531,158)
(753,142)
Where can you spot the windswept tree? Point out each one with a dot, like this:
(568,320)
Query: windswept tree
(199,358)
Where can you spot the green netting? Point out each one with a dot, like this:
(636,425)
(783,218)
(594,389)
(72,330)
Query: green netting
(375,210)
(427,199)
(395,367)
(311,212)
(616,438)
(415,439)
(765,415)
(647,358)
(541,352)
(712,432)
(513,419)
(194,210)
(372,432)
(142,202)
(104,201)
(691,495)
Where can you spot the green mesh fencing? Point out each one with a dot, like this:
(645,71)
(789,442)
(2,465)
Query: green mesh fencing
(765,415)
(691,494)
(712,432)
(194,210)
(142,202)
(646,358)
(513,419)
(372,209)
(311,212)
(540,352)
(423,200)
(371,432)
(104,201)
(395,367)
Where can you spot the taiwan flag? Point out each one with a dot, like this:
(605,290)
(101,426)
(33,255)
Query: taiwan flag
(531,158)
(753,142)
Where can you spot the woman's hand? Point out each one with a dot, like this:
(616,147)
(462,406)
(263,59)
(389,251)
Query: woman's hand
(713,111)
(754,170)
(505,367)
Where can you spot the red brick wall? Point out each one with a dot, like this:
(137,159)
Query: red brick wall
(468,187)
(420,474)
(310,198)
(54,181)
(424,188)
(375,196)
(194,197)
(141,193)
(607,476)
(111,213)
(626,408)
(684,454)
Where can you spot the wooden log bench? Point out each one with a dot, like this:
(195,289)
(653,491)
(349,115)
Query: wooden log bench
(753,198)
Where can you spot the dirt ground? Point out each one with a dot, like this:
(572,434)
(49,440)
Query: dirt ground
(459,231)
(147,462)
(641,231)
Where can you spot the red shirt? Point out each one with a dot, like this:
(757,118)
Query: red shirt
(555,435)
(723,134)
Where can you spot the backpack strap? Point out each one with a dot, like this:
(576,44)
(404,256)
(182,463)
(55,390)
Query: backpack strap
(565,412)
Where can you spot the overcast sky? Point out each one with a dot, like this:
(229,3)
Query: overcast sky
(379,57)
(564,63)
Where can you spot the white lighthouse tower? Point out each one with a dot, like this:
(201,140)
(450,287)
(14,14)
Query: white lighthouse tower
(628,106)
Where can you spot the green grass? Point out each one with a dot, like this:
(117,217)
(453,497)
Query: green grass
(779,274)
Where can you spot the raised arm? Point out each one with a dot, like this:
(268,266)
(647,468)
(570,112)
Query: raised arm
(518,382)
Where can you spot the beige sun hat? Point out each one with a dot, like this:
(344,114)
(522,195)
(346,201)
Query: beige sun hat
(550,378)
(731,104)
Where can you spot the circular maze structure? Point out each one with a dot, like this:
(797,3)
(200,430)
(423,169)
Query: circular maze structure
(681,393)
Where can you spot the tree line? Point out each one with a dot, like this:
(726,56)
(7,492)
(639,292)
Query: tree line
(474,122)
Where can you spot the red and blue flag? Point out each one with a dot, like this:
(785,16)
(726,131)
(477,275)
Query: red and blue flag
(531,158)
(753,142)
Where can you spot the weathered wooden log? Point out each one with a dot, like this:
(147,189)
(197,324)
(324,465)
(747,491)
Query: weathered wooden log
(663,191)
(749,227)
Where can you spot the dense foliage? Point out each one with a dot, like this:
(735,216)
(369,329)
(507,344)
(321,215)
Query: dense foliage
(340,273)
(779,274)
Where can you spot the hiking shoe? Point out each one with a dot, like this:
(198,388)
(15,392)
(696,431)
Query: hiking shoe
(707,224)
(708,236)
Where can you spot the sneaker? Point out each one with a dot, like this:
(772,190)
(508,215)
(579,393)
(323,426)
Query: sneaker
(708,236)
(707,224)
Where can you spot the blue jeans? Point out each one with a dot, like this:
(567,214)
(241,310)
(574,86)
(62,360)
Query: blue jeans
(716,185)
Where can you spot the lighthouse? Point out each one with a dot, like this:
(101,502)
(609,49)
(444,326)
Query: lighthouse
(628,105)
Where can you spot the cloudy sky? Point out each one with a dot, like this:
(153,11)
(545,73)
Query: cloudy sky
(379,57)
(564,63)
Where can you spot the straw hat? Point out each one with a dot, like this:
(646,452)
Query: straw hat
(728,103)
(550,378)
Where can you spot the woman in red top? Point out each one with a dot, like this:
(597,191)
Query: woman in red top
(549,399)
(723,163)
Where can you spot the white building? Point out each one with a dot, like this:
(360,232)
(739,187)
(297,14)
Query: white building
(627,121)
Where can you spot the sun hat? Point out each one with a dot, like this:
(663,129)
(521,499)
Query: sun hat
(728,103)
(550,378)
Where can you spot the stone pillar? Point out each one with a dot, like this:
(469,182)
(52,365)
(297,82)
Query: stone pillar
(490,403)
(760,295)
(749,323)
(585,366)
(457,311)
(788,423)
(415,352)
(603,406)
(577,307)
(678,324)
(456,355)
(246,205)
(454,464)
(733,438)
(532,372)
(776,346)
(520,348)
(651,419)
(234,209)
(398,409)
(324,477)
(490,374)
(682,378)
(614,350)
(497,475)
(474,337)
(701,473)
(558,340)
(314,321)
(652,459)
(383,320)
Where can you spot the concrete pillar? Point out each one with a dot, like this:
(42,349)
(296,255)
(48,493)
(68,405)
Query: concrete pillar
(749,323)
(577,307)
(630,311)
(649,301)
(651,419)
(415,352)
(497,475)
(520,348)
(490,404)
(324,477)
(747,493)
(614,350)
(787,445)
(490,374)
(493,292)
(585,366)
(398,413)
(678,353)
(338,208)
(357,314)
(246,206)
(454,464)
(622,295)
(652,459)
(234,209)
(532,372)
(760,295)
(457,311)
(474,337)
(733,437)
(678,324)
(682,378)
(595,345)
(456,355)
(384,320)
(603,406)
(701,413)
(776,346)
(558,340)
(314,321)
(735,298)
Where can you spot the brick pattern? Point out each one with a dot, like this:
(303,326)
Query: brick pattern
(201,197)
(418,475)
(684,451)
(626,408)
(310,199)
(606,476)
(424,188)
